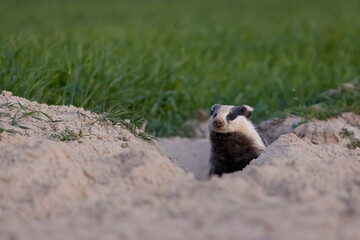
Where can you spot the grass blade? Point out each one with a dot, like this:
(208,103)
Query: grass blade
(22,106)
(7,130)
(14,122)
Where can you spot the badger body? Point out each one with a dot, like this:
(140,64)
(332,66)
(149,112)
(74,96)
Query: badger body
(234,139)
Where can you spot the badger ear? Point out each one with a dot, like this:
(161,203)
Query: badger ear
(247,110)
(214,108)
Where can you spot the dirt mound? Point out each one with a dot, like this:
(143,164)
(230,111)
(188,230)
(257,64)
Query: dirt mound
(63,123)
(43,174)
(340,130)
(194,154)
(97,187)
(272,129)
(43,178)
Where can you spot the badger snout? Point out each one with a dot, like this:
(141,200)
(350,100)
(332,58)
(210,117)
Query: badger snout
(218,123)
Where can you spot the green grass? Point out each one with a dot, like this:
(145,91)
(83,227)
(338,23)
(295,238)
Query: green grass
(329,104)
(7,130)
(161,60)
(67,135)
(354,142)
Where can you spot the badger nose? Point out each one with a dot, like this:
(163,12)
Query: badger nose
(218,123)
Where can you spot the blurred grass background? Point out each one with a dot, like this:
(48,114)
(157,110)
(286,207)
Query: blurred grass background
(161,60)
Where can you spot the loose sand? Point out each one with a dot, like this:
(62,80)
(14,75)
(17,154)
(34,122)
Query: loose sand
(108,184)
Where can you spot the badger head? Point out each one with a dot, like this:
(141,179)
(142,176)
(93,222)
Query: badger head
(227,118)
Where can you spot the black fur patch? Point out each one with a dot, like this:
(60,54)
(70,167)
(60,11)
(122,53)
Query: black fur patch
(214,108)
(237,111)
(230,152)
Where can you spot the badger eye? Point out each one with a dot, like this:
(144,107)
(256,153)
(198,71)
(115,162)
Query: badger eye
(215,115)
(231,116)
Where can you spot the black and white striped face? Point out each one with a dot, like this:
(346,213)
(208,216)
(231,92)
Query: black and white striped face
(227,118)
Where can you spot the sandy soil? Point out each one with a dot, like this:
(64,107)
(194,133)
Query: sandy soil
(193,154)
(107,184)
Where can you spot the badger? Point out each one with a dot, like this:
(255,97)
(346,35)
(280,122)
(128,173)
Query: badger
(234,139)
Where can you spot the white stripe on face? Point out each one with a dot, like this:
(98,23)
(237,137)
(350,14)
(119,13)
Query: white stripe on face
(239,124)
(220,114)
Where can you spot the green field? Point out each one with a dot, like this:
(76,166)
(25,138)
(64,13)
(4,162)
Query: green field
(162,60)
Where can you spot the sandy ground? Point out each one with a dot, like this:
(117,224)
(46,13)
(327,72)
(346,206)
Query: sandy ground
(107,184)
(193,154)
